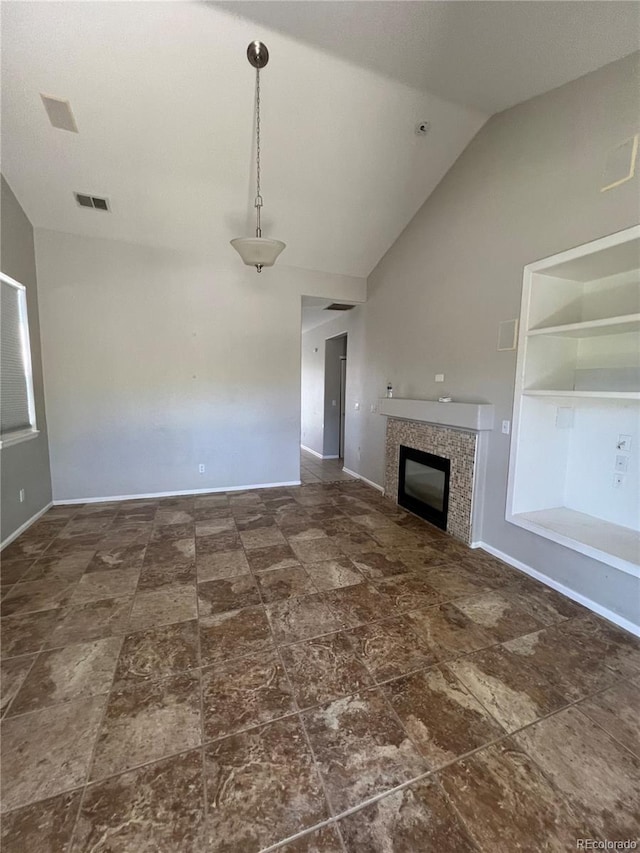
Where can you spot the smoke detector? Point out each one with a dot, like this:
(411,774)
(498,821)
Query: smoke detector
(93,201)
(422,128)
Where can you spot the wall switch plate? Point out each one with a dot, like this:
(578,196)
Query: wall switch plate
(439,377)
(623,442)
(21,496)
(374,408)
(334,403)
(200,469)
(622,463)
(618,481)
(357,407)
(506,427)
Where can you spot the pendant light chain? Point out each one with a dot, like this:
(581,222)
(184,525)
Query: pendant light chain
(258,251)
(258,196)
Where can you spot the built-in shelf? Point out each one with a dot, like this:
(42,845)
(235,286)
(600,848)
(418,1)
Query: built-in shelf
(593,395)
(591,328)
(470,416)
(612,543)
(577,393)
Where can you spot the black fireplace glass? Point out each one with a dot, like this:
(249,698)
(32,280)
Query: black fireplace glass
(423,485)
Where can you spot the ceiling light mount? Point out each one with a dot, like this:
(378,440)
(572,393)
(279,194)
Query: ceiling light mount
(422,128)
(258,251)
(257,54)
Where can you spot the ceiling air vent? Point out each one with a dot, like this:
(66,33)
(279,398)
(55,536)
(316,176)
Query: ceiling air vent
(339,306)
(93,201)
(59,113)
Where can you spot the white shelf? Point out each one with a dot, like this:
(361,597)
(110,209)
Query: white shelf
(611,543)
(470,416)
(592,395)
(591,328)
(577,389)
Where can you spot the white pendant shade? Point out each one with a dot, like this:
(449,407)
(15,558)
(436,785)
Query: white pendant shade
(258,251)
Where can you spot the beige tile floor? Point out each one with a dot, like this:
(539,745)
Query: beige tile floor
(262,670)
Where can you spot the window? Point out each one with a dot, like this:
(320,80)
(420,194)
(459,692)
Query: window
(17,408)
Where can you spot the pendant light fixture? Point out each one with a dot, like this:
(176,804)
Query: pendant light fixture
(258,251)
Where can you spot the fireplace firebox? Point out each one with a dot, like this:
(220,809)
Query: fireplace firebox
(423,485)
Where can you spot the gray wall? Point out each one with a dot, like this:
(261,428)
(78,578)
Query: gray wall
(526,187)
(26,465)
(157,361)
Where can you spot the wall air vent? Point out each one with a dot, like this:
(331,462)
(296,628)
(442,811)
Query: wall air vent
(339,306)
(59,113)
(93,201)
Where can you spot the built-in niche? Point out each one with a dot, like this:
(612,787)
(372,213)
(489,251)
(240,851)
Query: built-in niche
(574,472)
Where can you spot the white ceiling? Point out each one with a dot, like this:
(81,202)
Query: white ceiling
(487,55)
(163,97)
(314,311)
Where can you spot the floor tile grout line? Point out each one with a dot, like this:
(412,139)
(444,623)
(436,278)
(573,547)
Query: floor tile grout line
(476,843)
(618,679)
(95,782)
(5,713)
(599,725)
(299,714)
(205,798)
(435,773)
(92,755)
(37,653)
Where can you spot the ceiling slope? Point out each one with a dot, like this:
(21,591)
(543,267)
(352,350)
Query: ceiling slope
(163,98)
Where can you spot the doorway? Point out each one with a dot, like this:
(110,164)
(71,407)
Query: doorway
(343,401)
(335,383)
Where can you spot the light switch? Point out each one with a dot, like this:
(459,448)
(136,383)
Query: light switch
(506,427)
(357,407)
(439,377)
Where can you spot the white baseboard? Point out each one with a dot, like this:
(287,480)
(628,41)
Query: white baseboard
(364,479)
(25,526)
(150,495)
(315,453)
(312,452)
(629,626)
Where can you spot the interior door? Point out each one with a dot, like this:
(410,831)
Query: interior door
(343,398)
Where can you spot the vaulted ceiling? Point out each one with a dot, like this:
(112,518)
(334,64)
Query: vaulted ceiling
(163,97)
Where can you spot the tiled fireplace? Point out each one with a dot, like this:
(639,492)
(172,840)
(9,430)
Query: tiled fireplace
(456,445)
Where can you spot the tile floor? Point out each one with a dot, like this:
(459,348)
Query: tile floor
(308,669)
(315,470)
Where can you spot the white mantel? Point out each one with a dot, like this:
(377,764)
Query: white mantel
(471,416)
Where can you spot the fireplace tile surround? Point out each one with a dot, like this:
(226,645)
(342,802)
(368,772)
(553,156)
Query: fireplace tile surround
(459,446)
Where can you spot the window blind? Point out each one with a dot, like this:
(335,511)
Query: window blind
(15,409)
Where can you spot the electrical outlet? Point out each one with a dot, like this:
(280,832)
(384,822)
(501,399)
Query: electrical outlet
(621,463)
(374,408)
(21,495)
(201,469)
(618,481)
(439,377)
(506,427)
(623,442)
